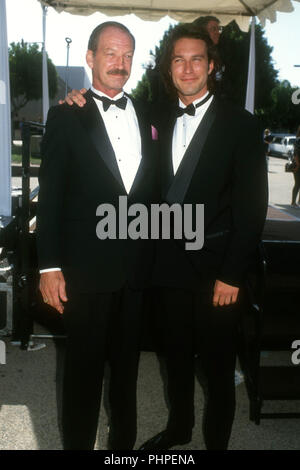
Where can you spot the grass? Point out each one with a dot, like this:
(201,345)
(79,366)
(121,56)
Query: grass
(17,158)
(16,151)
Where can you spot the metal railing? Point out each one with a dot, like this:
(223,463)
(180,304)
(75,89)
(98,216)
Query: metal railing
(18,243)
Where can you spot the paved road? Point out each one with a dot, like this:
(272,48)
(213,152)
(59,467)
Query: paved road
(280,186)
(28,409)
(17,183)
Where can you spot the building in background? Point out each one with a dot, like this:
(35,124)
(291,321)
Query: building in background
(32,111)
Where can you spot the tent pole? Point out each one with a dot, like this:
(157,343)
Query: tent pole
(5,120)
(45,70)
(250,95)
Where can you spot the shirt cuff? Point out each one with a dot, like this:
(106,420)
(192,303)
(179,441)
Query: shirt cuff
(49,270)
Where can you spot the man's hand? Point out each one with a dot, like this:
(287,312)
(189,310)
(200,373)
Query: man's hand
(75,96)
(224,294)
(53,289)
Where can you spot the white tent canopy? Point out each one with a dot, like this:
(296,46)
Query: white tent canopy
(225,10)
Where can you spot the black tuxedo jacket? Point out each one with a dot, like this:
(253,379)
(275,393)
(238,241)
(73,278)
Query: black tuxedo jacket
(78,172)
(223,168)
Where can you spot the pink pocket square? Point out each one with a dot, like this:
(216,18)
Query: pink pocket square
(154,133)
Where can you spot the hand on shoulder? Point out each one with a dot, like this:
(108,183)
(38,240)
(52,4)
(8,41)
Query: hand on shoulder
(75,96)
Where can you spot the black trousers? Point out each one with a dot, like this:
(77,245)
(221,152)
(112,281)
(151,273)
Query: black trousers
(101,327)
(199,337)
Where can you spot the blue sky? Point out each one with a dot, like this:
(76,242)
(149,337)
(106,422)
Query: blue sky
(283,36)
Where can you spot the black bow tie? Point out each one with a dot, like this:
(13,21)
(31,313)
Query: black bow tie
(191,109)
(121,102)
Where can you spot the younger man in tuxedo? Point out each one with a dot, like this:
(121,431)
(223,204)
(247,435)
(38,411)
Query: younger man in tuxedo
(212,153)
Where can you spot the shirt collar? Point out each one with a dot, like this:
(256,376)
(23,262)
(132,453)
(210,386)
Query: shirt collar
(182,105)
(100,93)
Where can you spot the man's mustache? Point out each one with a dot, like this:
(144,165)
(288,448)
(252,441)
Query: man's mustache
(118,72)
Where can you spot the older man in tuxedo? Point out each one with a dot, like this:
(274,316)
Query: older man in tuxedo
(211,153)
(92,156)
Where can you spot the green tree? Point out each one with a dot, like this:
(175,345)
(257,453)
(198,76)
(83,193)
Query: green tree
(150,87)
(234,51)
(25,64)
(283,115)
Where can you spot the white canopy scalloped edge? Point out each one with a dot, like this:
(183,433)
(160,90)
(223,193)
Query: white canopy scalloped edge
(229,10)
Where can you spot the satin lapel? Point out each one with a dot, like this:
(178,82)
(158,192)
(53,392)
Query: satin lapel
(93,123)
(166,155)
(192,156)
(144,127)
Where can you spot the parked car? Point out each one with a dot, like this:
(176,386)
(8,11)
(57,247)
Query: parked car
(282,145)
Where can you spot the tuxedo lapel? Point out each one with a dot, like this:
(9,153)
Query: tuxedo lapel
(144,127)
(93,123)
(166,154)
(191,158)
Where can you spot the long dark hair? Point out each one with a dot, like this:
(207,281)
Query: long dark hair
(202,21)
(187,31)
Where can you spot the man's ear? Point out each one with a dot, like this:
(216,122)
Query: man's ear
(211,67)
(90,58)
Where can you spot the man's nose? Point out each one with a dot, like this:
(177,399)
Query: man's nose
(120,61)
(188,66)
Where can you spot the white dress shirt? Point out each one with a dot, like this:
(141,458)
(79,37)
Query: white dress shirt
(124,135)
(184,130)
